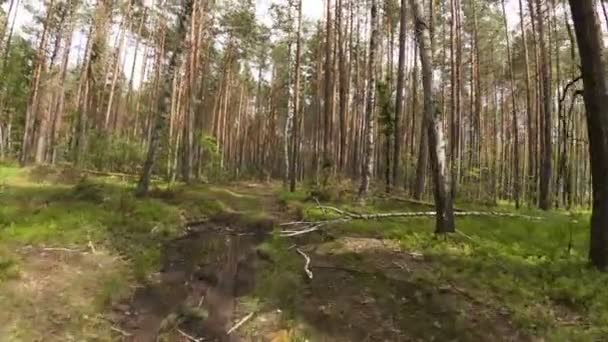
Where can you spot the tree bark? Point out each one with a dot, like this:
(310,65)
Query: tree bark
(32,108)
(399,98)
(434,123)
(329,93)
(296,102)
(591,49)
(370,147)
(547,151)
(516,184)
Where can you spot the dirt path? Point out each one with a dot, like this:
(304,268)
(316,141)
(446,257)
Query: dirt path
(195,293)
(364,289)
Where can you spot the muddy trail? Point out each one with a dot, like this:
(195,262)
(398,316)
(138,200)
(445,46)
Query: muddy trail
(194,295)
(365,288)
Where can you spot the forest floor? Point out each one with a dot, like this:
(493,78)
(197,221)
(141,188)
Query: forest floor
(81,259)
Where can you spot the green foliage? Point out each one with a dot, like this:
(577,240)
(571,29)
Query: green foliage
(281,282)
(387,107)
(211,156)
(534,269)
(114,153)
(9,268)
(15,86)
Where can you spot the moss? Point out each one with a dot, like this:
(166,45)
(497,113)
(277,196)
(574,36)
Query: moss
(280,283)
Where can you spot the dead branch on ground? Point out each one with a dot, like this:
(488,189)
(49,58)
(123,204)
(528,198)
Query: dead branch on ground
(297,228)
(307,265)
(241,322)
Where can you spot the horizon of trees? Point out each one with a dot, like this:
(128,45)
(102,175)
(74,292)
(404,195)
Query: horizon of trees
(385,93)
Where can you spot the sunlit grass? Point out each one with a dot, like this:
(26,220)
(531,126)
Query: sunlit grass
(536,269)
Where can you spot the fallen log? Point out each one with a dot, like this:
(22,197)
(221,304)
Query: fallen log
(347,216)
(421,214)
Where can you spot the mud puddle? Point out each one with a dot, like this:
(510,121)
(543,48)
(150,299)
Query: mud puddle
(195,292)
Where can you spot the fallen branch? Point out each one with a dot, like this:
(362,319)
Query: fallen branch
(190,338)
(307,265)
(415,202)
(59,249)
(241,322)
(109,174)
(422,214)
(347,216)
(122,332)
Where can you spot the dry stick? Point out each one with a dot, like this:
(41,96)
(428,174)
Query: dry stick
(58,249)
(422,214)
(120,331)
(346,216)
(307,265)
(241,322)
(193,339)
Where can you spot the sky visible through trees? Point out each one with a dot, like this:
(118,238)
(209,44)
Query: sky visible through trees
(312,10)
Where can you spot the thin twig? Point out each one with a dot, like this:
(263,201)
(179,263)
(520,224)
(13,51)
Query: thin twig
(58,249)
(300,232)
(193,339)
(122,332)
(307,265)
(241,322)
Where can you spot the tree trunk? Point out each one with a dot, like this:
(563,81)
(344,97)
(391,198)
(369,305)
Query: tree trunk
(370,131)
(399,98)
(343,94)
(591,49)
(329,95)
(162,103)
(296,102)
(547,151)
(32,108)
(516,184)
(434,123)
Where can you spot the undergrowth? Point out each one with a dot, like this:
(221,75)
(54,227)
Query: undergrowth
(535,270)
(45,213)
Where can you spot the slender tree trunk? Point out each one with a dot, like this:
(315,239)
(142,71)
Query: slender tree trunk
(32,108)
(343,95)
(296,102)
(434,122)
(289,119)
(163,102)
(547,151)
(368,163)
(56,124)
(117,67)
(329,94)
(516,184)
(400,90)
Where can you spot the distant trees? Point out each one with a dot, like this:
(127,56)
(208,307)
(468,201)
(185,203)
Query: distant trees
(344,98)
(164,96)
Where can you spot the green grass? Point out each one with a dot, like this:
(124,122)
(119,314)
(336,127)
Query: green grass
(535,269)
(45,207)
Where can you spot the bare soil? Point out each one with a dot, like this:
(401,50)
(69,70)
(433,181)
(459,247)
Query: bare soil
(364,289)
